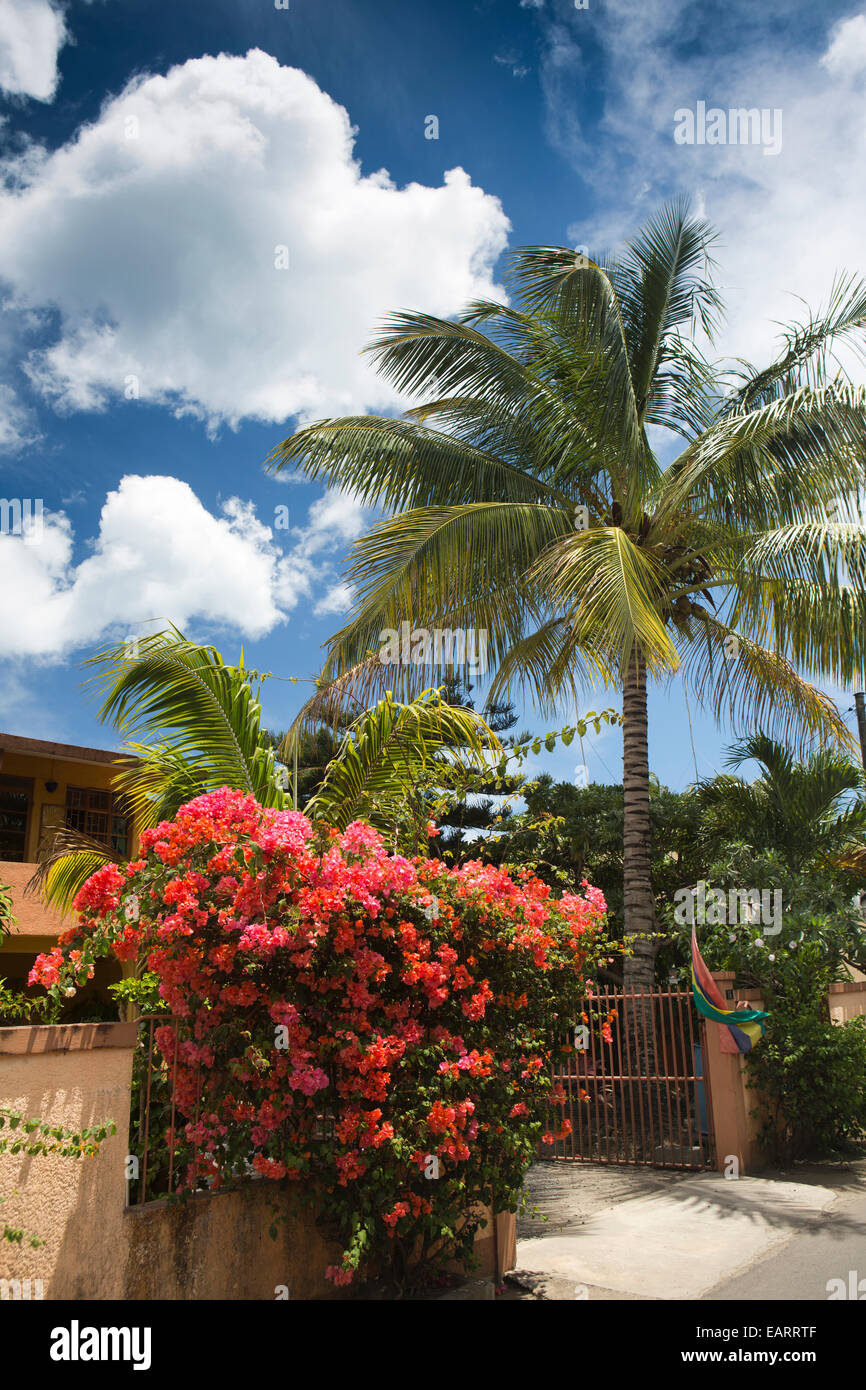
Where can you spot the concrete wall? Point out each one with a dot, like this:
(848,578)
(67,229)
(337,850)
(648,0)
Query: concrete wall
(211,1247)
(218,1246)
(76,1076)
(847,1001)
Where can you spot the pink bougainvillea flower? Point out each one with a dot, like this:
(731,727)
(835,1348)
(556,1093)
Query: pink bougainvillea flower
(329,1027)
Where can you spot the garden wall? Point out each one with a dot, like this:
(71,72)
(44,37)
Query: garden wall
(216,1245)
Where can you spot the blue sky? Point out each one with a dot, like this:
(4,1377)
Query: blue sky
(157,156)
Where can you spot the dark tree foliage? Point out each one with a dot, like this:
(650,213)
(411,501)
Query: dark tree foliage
(568,833)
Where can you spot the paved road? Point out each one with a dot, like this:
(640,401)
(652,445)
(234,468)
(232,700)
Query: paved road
(834,1249)
(629,1233)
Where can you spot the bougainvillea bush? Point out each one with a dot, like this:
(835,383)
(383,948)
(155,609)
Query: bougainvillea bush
(379,1026)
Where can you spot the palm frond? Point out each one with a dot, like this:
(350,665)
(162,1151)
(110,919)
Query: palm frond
(808,348)
(755,686)
(172,691)
(65,862)
(393,750)
(610,590)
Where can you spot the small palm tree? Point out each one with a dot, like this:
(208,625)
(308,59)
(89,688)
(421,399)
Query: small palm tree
(397,759)
(529,500)
(808,812)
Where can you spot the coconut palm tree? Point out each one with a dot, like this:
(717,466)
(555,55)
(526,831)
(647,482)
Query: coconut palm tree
(528,498)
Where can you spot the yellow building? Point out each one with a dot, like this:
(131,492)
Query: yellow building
(45,786)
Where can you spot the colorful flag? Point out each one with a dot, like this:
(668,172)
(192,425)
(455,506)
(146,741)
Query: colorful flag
(741,1028)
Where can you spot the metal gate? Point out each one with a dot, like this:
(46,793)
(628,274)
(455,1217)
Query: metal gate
(635,1082)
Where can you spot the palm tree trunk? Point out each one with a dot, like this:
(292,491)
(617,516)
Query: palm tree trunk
(639,1020)
(639,904)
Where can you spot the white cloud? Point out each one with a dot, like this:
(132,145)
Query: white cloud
(846,55)
(32,32)
(336,515)
(511,60)
(338,599)
(18,427)
(159,554)
(786,223)
(157,235)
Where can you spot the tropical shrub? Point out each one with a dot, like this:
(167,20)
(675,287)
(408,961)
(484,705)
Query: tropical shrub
(809,1072)
(374,1029)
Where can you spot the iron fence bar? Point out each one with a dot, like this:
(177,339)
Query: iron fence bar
(677,1032)
(712,1157)
(618,1092)
(171,1123)
(693,1079)
(598,1102)
(646,1089)
(667,1090)
(146,1144)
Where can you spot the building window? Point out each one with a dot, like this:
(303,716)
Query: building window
(96,813)
(15,797)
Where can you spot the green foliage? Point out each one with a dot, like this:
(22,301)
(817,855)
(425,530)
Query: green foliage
(35,1137)
(482,810)
(390,757)
(18,1008)
(7,917)
(821,928)
(809,812)
(808,1070)
(140,994)
(810,1073)
(316,748)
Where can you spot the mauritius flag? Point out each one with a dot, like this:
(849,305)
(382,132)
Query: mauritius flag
(742,1028)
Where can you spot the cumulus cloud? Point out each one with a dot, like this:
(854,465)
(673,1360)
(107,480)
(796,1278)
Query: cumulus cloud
(211,244)
(336,515)
(32,32)
(145,565)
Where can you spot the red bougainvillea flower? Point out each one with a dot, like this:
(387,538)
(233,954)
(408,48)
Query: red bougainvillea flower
(328,1027)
